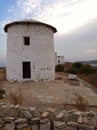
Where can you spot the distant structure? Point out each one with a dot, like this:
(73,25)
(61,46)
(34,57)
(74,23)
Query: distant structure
(30,51)
(59,59)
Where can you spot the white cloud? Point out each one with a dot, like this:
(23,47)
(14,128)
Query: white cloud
(27,6)
(65,15)
(68,16)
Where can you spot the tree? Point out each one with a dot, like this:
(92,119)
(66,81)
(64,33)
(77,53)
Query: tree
(86,69)
(77,65)
(75,68)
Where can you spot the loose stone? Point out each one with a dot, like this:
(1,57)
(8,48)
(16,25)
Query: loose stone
(85,120)
(27,114)
(9,126)
(59,125)
(45,124)
(80,119)
(20,126)
(9,119)
(21,120)
(60,115)
(45,114)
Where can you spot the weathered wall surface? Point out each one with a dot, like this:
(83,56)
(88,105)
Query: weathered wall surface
(29,118)
(40,52)
(56,61)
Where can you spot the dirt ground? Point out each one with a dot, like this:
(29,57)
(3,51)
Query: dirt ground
(59,93)
(92,78)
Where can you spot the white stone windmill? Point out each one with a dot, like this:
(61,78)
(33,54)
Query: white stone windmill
(30,51)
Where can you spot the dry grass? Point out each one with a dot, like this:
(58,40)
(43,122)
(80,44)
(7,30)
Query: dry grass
(92,79)
(81,103)
(16,97)
(61,76)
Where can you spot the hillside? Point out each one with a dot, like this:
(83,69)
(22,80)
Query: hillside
(89,62)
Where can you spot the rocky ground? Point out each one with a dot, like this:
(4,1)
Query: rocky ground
(56,93)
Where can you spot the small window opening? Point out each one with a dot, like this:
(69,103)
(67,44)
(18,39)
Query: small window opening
(58,61)
(26,40)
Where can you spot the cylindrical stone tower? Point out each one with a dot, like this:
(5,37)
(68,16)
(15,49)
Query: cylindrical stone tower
(30,51)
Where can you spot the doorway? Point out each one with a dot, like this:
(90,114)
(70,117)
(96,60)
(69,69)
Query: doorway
(26,70)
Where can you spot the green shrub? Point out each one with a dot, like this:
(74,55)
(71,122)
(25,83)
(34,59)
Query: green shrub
(73,70)
(95,70)
(79,68)
(77,65)
(86,69)
(59,68)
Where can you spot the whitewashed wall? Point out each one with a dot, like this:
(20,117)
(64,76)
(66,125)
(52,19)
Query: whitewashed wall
(58,59)
(56,62)
(40,52)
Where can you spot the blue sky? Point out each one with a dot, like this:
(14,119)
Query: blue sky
(75,20)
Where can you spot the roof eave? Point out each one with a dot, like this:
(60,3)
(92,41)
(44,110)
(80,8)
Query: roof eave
(35,22)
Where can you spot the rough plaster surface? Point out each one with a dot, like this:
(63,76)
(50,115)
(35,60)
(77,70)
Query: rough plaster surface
(40,52)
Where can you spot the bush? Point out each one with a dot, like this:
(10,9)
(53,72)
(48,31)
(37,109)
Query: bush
(16,97)
(77,65)
(86,69)
(73,70)
(95,70)
(81,103)
(59,68)
(78,68)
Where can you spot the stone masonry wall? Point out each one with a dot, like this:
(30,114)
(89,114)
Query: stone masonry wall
(29,118)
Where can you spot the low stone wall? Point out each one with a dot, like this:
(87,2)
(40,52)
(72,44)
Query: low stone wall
(29,118)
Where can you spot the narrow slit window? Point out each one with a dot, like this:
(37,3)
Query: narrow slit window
(26,40)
